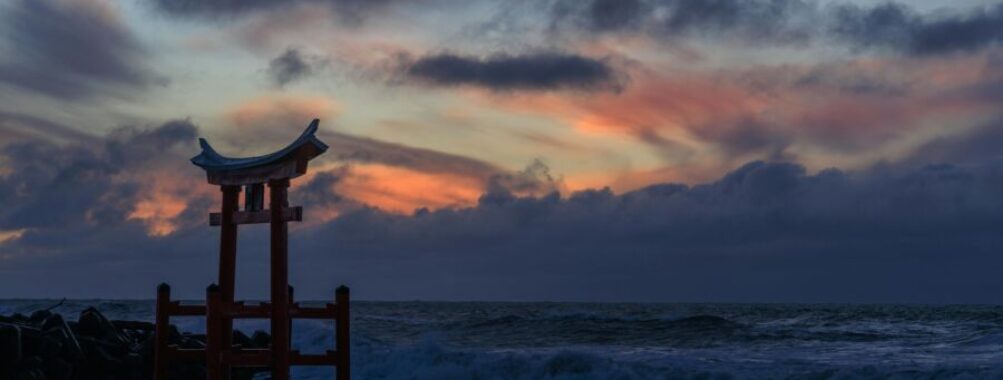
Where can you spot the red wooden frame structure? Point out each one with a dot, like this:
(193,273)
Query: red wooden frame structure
(220,309)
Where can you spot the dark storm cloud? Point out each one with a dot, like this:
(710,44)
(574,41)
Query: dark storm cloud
(292,65)
(898,27)
(539,71)
(220,7)
(893,26)
(763,232)
(70,49)
(601,15)
(351,11)
(770,21)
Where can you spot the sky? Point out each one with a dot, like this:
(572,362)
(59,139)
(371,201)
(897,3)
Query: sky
(544,150)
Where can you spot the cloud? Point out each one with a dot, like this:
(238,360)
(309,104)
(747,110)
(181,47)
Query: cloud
(675,112)
(768,21)
(18,127)
(401,179)
(270,120)
(351,148)
(851,112)
(50,185)
(535,71)
(349,11)
(981,144)
(108,207)
(763,232)
(217,8)
(71,50)
(600,15)
(758,19)
(291,66)
(892,26)
(359,170)
(397,189)
(280,112)
(900,28)
(771,230)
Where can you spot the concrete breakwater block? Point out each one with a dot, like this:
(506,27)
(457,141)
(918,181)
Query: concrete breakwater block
(45,346)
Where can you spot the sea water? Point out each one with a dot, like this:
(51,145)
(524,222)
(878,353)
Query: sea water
(477,340)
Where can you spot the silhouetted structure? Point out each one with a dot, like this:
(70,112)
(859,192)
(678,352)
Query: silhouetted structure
(220,310)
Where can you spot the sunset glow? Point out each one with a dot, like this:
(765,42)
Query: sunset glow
(650,143)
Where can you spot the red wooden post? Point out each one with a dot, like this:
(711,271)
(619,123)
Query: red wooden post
(278,201)
(214,336)
(341,334)
(292,300)
(227,263)
(162,332)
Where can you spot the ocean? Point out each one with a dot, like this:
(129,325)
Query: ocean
(486,341)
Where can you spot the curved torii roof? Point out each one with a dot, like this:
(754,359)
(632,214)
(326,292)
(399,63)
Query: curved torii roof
(244,170)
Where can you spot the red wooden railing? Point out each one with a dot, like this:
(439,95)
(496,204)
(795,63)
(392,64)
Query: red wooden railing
(219,358)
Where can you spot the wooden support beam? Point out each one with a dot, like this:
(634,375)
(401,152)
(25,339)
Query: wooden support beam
(289,214)
(214,335)
(241,311)
(162,332)
(227,274)
(328,358)
(341,334)
(176,309)
(254,197)
(260,357)
(278,202)
(330,311)
(292,303)
(186,354)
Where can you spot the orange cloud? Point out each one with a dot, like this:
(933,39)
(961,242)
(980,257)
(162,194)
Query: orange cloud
(164,197)
(158,213)
(11,235)
(402,190)
(653,104)
(762,112)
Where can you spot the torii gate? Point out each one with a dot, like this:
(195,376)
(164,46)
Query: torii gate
(252,173)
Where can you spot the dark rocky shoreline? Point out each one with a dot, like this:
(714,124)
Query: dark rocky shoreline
(46,346)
